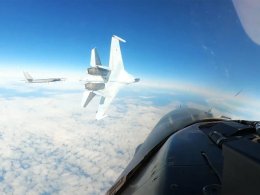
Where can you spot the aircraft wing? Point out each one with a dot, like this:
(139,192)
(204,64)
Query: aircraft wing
(108,96)
(115,59)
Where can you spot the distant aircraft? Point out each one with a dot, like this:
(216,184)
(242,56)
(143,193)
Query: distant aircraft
(238,92)
(29,79)
(111,78)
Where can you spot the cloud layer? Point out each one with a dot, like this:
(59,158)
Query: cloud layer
(50,145)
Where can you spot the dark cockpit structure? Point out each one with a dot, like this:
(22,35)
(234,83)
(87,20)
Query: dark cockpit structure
(194,152)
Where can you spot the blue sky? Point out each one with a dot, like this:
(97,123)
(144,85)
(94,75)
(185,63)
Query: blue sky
(202,43)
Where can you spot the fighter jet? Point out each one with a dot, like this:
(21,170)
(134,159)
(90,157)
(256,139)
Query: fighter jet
(107,80)
(30,79)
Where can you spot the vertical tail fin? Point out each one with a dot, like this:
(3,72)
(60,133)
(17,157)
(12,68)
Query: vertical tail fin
(94,60)
(28,76)
(115,59)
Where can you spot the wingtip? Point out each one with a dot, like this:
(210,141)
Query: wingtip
(120,39)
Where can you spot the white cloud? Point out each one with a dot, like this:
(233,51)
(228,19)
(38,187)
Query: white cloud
(49,144)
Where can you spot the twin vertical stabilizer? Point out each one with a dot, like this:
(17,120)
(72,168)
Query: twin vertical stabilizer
(95,60)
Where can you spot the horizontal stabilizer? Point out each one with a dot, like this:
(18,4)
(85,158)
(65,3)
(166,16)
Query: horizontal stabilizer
(87,97)
(94,60)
